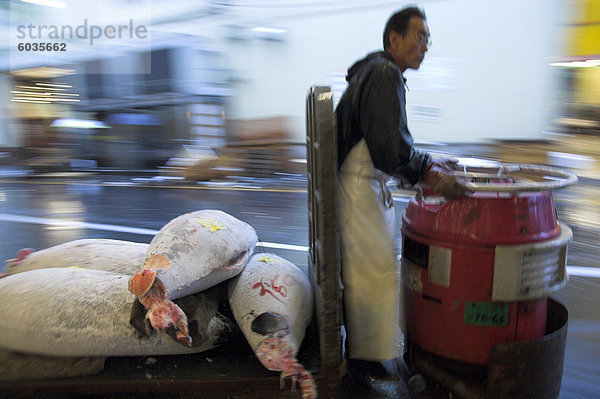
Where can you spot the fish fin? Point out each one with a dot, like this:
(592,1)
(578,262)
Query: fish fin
(193,332)
(229,331)
(308,387)
(239,260)
(138,320)
(197,338)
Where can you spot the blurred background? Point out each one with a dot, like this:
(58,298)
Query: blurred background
(213,89)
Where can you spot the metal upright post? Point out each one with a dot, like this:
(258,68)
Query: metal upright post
(324,257)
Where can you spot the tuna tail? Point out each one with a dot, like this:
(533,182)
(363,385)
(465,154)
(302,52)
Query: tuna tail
(278,355)
(307,385)
(162,313)
(299,374)
(165,314)
(20,257)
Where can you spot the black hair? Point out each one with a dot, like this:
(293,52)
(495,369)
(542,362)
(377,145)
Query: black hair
(399,23)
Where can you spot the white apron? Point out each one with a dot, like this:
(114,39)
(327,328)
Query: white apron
(369,265)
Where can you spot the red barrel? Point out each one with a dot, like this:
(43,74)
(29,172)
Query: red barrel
(477,271)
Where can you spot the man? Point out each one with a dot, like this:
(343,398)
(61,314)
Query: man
(373,143)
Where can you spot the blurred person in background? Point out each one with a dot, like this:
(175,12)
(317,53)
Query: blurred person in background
(373,143)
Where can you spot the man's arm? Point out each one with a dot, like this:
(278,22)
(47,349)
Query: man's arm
(383,122)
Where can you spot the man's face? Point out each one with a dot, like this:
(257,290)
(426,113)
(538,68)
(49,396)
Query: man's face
(408,51)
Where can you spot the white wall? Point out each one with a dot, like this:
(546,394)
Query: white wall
(485,77)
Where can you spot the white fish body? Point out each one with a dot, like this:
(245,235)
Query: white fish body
(19,366)
(201,249)
(74,312)
(271,301)
(271,284)
(189,254)
(100,254)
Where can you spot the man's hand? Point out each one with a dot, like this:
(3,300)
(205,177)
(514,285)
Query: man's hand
(440,178)
(447,164)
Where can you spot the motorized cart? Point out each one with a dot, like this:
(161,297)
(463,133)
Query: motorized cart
(477,273)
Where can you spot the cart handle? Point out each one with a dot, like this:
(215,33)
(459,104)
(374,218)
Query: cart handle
(514,178)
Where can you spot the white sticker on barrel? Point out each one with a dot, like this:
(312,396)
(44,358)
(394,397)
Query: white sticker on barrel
(440,260)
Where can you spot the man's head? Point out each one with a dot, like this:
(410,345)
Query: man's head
(406,37)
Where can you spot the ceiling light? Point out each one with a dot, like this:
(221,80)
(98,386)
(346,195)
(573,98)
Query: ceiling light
(79,124)
(36,88)
(30,101)
(54,84)
(264,29)
(30,93)
(43,72)
(577,64)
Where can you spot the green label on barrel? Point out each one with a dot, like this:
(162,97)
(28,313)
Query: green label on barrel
(486,314)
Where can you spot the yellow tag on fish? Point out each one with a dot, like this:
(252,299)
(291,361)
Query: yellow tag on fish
(266,259)
(212,225)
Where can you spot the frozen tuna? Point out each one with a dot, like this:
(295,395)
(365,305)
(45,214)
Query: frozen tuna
(75,312)
(109,255)
(272,303)
(189,254)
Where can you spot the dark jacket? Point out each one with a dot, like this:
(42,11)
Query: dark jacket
(374,107)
